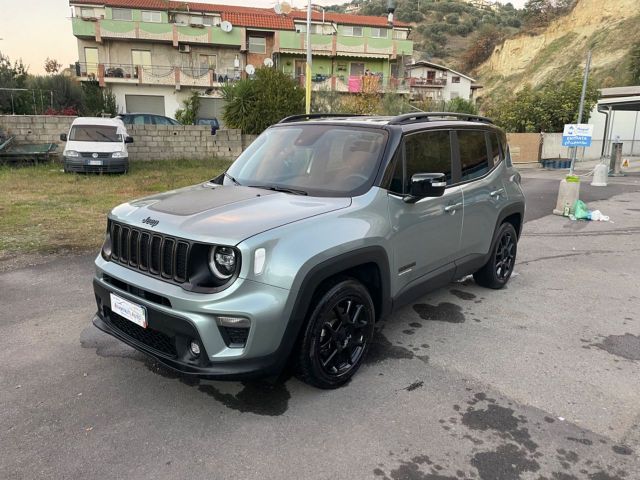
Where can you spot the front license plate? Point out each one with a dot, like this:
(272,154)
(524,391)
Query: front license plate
(132,312)
(95,162)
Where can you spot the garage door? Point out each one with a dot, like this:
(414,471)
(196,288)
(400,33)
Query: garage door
(145,104)
(211,108)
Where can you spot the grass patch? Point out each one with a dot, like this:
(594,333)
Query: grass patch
(43,210)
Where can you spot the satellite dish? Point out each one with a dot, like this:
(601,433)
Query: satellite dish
(250,69)
(226,26)
(277,8)
(286,8)
(268,62)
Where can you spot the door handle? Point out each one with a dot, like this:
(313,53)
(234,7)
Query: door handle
(452,208)
(497,193)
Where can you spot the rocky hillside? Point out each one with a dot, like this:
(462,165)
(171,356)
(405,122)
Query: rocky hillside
(608,27)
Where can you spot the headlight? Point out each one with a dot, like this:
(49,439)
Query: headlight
(71,153)
(223,262)
(119,155)
(106,247)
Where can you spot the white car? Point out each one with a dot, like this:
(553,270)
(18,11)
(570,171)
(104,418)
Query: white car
(96,145)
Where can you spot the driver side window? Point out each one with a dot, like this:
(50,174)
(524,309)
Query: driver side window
(427,152)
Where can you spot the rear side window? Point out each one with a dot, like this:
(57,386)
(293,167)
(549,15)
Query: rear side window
(473,154)
(428,152)
(494,149)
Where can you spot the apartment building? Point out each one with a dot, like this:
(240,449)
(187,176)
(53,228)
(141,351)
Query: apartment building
(439,83)
(154,53)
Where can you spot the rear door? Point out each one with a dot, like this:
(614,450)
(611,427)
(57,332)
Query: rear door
(484,195)
(426,234)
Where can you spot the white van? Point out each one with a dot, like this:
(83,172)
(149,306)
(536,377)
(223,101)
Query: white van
(96,145)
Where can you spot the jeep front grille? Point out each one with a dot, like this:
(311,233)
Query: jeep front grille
(152,253)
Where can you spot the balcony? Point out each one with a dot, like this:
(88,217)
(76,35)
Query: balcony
(356,83)
(99,29)
(427,82)
(177,77)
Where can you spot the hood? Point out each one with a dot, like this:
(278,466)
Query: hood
(102,147)
(224,215)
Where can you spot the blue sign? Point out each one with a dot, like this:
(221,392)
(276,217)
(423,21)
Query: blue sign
(577,135)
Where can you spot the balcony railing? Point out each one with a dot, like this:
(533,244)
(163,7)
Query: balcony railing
(156,74)
(428,82)
(356,83)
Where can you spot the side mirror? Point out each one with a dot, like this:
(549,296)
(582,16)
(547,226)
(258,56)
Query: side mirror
(426,185)
(128,139)
(63,137)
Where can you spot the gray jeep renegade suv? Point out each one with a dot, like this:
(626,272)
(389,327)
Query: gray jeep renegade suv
(323,226)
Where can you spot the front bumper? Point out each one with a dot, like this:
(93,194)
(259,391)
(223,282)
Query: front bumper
(181,317)
(89,165)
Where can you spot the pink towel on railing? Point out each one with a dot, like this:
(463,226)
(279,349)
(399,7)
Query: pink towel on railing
(355,84)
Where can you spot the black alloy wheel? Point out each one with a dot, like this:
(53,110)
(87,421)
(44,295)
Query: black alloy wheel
(498,269)
(505,256)
(337,335)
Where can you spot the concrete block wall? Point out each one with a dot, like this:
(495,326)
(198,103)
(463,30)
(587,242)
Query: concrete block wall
(163,142)
(151,142)
(36,128)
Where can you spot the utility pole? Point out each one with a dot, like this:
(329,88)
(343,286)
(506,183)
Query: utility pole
(585,80)
(307,77)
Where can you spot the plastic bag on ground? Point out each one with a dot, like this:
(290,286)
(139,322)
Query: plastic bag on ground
(580,210)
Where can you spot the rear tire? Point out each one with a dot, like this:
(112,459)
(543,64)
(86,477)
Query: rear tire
(336,336)
(498,269)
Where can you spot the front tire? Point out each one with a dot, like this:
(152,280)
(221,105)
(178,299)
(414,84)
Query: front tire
(337,335)
(497,271)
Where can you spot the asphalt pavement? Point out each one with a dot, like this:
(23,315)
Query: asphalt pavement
(540,380)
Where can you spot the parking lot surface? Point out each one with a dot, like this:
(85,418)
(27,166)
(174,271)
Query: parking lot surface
(540,380)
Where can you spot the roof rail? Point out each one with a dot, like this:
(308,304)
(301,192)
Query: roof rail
(311,116)
(431,116)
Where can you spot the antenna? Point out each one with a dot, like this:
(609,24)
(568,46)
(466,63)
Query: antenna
(286,8)
(250,69)
(277,8)
(268,62)
(226,26)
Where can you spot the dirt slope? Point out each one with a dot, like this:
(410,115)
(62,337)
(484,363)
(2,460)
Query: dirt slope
(608,27)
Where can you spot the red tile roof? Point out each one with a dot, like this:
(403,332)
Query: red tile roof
(245,16)
(347,19)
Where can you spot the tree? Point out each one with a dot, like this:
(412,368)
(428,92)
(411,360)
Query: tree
(188,114)
(545,109)
(460,105)
(253,104)
(14,75)
(482,48)
(97,101)
(51,66)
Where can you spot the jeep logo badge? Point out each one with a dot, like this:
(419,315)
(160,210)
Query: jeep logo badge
(150,221)
(94,155)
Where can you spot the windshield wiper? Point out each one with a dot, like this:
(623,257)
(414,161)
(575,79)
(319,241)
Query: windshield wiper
(277,188)
(232,179)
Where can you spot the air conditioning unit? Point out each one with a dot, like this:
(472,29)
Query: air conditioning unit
(184,48)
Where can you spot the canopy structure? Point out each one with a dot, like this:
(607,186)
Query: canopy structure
(617,99)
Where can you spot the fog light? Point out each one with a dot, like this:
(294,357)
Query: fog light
(195,348)
(234,322)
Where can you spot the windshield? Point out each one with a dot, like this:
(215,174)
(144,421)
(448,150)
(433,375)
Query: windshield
(94,133)
(322,160)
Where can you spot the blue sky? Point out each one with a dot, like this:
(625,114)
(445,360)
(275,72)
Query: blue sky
(36,29)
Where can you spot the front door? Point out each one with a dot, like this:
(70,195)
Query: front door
(426,234)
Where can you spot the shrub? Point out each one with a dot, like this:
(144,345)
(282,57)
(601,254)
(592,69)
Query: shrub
(188,114)
(253,104)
